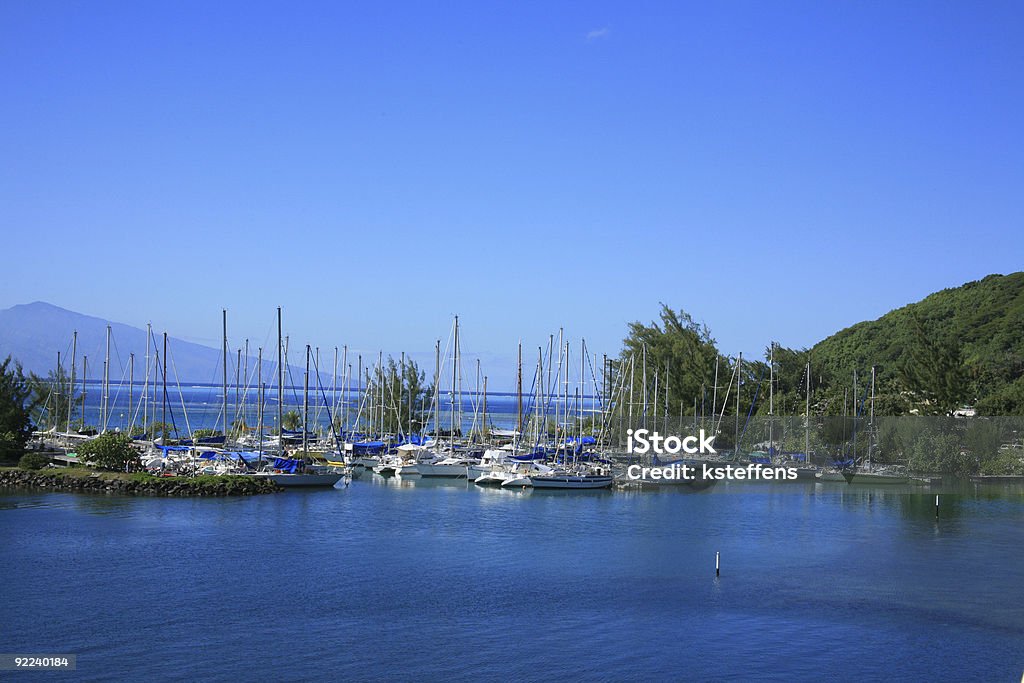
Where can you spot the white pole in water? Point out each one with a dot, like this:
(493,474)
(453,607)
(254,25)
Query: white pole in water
(717,564)
(936,506)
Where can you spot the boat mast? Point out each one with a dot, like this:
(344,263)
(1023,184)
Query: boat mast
(71,384)
(519,392)
(583,387)
(245,376)
(305,406)
(259,398)
(106,385)
(346,374)
(224,360)
(239,418)
(644,386)
(436,398)
(401,395)
(85,373)
(334,386)
(807,417)
(131,392)
(58,385)
(163,416)
(455,363)
(280,384)
(871,424)
(485,430)
(739,369)
(771,398)
(145,385)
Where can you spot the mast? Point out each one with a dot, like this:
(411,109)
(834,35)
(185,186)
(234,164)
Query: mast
(106,385)
(346,372)
(583,386)
(145,385)
(280,384)
(644,386)
(856,412)
(771,398)
(259,398)
(436,399)
(486,430)
(85,373)
(245,376)
(163,417)
(455,363)
(57,386)
(739,383)
(401,393)
(519,392)
(807,416)
(71,384)
(238,398)
(131,392)
(305,406)
(334,386)
(714,395)
(224,361)
(871,424)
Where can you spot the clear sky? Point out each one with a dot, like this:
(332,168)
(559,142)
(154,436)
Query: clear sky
(779,170)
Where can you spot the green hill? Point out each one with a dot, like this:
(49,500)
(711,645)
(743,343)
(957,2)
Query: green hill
(963,345)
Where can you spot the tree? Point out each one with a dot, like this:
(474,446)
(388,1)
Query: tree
(406,397)
(291,420)
(933,368)
(679,347)
(16,405)
(52,401)
(111,451)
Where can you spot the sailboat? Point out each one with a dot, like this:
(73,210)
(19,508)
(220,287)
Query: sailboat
(869,473)
(295,472)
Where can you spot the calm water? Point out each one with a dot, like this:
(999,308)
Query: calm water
(427,581)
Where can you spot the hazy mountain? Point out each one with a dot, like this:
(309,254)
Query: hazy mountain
(34,333)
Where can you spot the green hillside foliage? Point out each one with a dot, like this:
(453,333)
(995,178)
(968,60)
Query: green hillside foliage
(957,346)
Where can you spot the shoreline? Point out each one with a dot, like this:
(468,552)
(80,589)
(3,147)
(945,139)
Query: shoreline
(88,481)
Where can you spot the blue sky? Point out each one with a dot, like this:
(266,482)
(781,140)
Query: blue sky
(779,170)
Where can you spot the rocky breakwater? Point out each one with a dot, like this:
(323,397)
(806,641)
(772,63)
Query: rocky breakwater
(81,481)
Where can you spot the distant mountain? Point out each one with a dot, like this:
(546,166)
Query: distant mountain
(980,325)
(34,333)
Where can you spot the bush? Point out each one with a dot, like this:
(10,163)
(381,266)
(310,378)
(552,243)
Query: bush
(33,461)
(111,451)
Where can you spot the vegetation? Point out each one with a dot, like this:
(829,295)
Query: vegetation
(53,400)
(406,398)
(961,345)
(111,451)
(33,461)
(16,405)
(291,420)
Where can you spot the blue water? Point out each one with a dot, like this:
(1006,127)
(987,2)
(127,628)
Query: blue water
(413,580)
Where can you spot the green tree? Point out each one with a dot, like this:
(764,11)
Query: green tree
(934,370)
(52,400)
(158,430)
(16,405)
(683,353)
(291,420)
(406,397)
(111,451)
